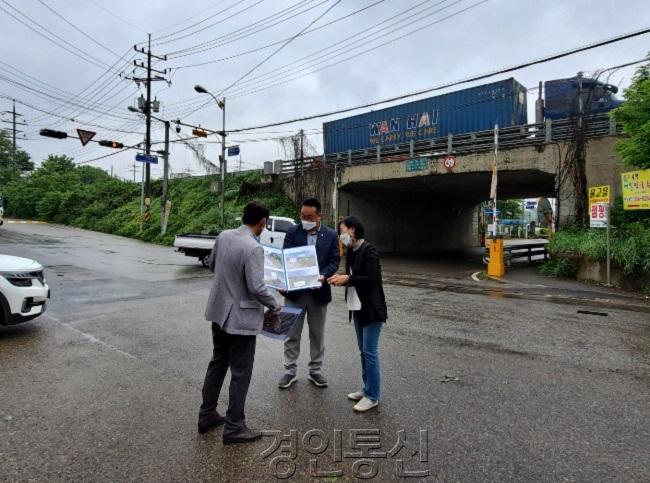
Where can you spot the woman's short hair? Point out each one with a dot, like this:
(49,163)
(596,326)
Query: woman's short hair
(353,222)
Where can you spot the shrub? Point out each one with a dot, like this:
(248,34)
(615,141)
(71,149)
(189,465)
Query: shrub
(88,197)
(559,267)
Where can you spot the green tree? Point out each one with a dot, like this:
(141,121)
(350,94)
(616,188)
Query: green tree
(634,115)
(8,169)
(60,164)
(510,209)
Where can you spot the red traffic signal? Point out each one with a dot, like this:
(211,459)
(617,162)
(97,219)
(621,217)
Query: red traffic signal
(51,133)
(111,144)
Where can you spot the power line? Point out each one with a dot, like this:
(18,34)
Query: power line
(355,43)
(77,28)
(523,65)
(257,49)
(112,14)
(292,75)
(97,91)
(24,77)
(283,79)
(84,55)
(48,96)
(102,157)
(259,64)
(245,31)
(31,106)
(157,43)
(263,61)
(185,20)
(378,33)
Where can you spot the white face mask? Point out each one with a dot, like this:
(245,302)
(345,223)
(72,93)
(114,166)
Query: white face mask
(346,239)
(308,225)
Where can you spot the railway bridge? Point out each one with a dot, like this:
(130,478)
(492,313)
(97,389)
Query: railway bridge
(411,200)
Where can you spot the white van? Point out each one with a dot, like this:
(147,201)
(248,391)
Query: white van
(276,230)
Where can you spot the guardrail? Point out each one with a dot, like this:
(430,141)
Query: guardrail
(474,142)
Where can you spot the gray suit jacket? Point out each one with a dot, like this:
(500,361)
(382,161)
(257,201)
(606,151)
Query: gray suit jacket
(238,292)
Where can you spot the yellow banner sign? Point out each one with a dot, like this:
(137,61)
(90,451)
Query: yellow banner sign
(599,194)
(636,190)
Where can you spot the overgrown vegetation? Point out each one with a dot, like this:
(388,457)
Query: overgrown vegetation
(11,168)
(630,243)
(559,267)
(630,236)
(87,197)
(634,115)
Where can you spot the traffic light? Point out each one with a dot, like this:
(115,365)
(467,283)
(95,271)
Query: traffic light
(199,133)
(111,144)
(51,133)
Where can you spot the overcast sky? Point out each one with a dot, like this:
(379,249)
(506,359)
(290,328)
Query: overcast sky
(489,35)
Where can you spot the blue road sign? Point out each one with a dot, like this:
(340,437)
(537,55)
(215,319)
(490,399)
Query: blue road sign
(233,150)
(146,158)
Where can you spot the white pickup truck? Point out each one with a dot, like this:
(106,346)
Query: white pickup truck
(199,245)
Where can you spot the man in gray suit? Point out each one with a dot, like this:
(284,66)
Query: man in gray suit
(236,310)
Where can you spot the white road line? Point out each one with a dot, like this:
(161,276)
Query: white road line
(475,277)
(78,321)
(91,338)
(25,222)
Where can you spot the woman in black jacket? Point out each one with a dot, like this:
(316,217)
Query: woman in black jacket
(364,294)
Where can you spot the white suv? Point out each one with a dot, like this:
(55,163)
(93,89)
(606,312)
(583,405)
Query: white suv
(23,290)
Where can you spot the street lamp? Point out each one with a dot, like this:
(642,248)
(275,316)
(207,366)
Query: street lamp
(223,168)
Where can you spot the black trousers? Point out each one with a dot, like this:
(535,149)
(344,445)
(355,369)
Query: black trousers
(237,353)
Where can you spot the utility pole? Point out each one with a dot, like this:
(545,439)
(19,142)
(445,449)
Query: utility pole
(165,208)
(224,166)
(222,160)
(147,136)
(14,123)
(147,105)
(302,166)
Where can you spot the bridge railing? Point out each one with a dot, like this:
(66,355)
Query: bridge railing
(474,142)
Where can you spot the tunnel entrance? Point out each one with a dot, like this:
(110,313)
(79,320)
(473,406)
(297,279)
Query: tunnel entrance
(434,213)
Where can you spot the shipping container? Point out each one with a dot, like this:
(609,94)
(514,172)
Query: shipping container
(474,109)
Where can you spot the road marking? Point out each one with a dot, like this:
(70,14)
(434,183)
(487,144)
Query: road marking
(91,338)
(475,277)
(25,222)
(78,321)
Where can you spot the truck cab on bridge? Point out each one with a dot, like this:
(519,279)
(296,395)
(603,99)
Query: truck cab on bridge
(562,97)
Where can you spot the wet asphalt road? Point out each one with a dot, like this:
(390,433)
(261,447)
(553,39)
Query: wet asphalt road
(106,385)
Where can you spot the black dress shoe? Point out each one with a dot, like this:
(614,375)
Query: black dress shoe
(206,423)
(244,436)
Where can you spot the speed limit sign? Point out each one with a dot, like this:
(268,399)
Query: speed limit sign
(449,162)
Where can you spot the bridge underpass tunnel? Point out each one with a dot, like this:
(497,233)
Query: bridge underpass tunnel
(433,213)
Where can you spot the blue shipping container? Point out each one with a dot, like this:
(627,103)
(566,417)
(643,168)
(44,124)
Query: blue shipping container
(474,109)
